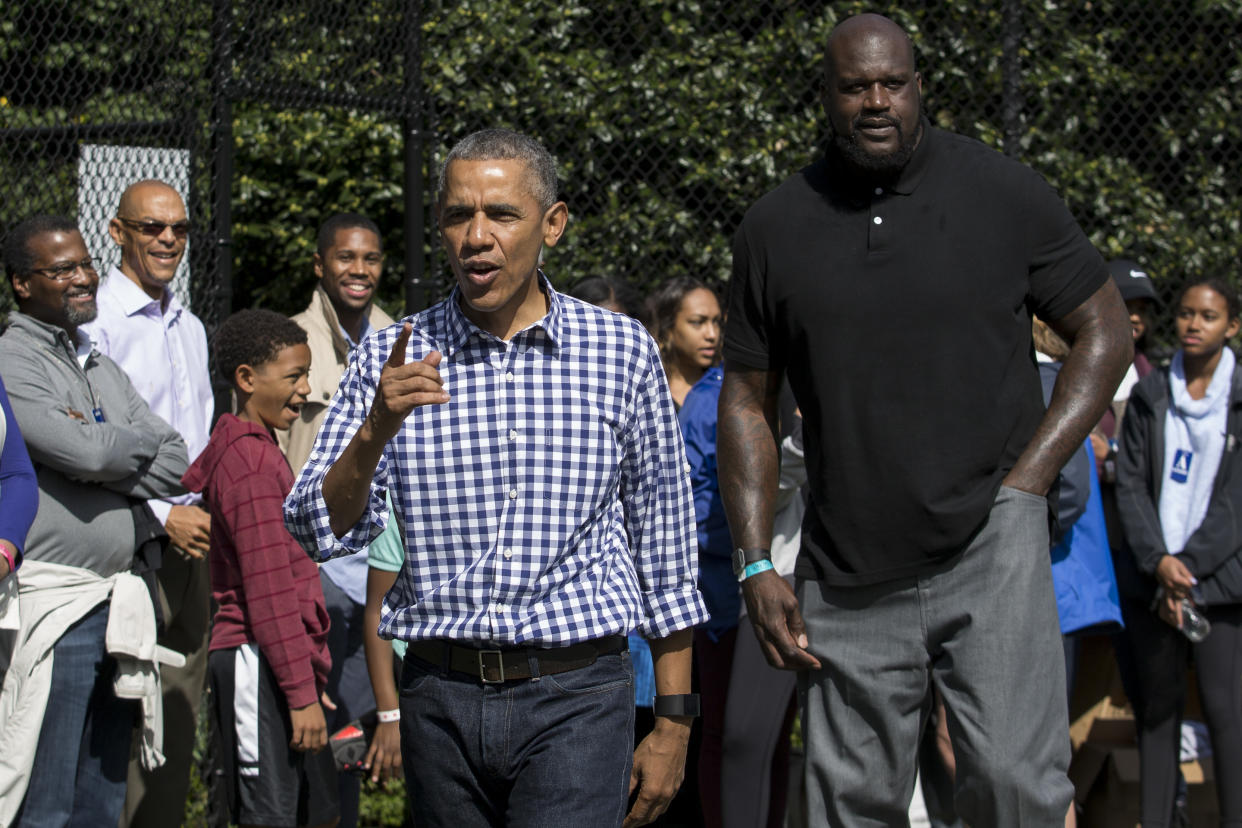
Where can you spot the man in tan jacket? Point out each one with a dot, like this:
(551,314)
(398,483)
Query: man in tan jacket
(349,262)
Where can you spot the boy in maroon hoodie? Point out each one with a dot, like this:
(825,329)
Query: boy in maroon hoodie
(268,660)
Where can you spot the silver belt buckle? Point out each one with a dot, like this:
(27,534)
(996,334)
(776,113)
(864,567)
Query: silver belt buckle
(500,666)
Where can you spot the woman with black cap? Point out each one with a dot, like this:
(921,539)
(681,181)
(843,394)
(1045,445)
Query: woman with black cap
(1135,285)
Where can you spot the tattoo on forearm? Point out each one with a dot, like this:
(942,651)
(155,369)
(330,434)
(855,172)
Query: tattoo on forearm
(748,454)
(1102,348)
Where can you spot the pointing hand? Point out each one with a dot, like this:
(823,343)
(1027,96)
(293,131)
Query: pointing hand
(405,386)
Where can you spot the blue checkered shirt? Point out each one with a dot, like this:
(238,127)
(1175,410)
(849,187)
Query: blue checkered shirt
(548,502)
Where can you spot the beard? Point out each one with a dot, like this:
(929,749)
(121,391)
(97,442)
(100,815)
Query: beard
(886,164)
(80,315)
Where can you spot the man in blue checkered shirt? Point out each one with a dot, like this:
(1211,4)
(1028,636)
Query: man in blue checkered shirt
(531,450)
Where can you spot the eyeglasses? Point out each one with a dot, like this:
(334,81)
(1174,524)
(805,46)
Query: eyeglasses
(156,228)
(65,272)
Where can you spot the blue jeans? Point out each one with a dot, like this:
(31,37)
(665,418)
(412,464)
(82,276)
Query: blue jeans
(82,758)
(549,751)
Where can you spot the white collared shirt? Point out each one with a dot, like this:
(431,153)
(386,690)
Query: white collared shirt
(163,349)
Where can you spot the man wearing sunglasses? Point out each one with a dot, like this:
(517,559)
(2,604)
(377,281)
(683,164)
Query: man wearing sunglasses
(155,339)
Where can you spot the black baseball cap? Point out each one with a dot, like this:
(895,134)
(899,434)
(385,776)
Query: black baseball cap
(1132,280)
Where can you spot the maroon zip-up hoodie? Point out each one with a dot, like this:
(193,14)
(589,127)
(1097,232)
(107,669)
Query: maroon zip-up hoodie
(265,584)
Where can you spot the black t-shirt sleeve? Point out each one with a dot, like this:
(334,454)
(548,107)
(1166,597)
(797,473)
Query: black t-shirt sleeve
(747,333)
(1065,269)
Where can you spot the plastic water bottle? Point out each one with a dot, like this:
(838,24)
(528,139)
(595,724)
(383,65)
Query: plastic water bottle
(1194,625)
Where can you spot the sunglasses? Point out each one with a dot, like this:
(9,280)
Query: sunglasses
(156,228)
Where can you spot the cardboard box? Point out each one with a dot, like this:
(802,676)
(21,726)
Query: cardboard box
(1099,710)
(1106,785)
(1105,767)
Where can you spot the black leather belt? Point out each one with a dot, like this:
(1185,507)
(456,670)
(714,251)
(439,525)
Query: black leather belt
(509,663)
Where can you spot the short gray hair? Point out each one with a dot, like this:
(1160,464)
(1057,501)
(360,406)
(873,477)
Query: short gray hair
(507,145)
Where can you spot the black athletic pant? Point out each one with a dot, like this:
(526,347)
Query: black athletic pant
(1161,654)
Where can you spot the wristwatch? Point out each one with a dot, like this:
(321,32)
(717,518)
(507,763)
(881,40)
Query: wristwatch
(686,704)
(743,558)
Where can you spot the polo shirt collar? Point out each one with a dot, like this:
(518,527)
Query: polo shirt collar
(460,329)
(912,174)
(858,186)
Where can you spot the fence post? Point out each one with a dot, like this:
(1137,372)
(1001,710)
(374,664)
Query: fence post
(1011,74)
(201,252)
(222,152)
(417,293)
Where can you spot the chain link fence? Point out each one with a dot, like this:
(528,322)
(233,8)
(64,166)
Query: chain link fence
(668,117)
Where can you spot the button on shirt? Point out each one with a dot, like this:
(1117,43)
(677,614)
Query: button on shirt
(163,350)
(545,503)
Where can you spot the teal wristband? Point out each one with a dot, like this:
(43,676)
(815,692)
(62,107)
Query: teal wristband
(755,569)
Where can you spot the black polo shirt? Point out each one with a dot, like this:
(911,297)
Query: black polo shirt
(901,312)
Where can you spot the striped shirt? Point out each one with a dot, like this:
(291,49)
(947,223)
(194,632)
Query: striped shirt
(547,503)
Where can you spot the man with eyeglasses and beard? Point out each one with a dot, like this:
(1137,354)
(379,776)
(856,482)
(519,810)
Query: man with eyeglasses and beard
(99,454)
(894,281)
(162,346)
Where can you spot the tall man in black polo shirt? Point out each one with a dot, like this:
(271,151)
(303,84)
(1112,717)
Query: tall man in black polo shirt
(894,281)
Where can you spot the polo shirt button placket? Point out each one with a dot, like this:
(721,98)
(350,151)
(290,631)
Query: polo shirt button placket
(874,240)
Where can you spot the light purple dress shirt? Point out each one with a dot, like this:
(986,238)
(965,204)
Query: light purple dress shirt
(164,352)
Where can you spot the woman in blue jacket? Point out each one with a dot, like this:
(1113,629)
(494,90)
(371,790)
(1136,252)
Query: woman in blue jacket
(753,748)
(1179,492)
(688,325)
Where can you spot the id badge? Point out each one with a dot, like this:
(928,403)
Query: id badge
(97,412)
(1181,465)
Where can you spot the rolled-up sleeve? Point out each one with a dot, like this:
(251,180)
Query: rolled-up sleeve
(659,511)
(305,512)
